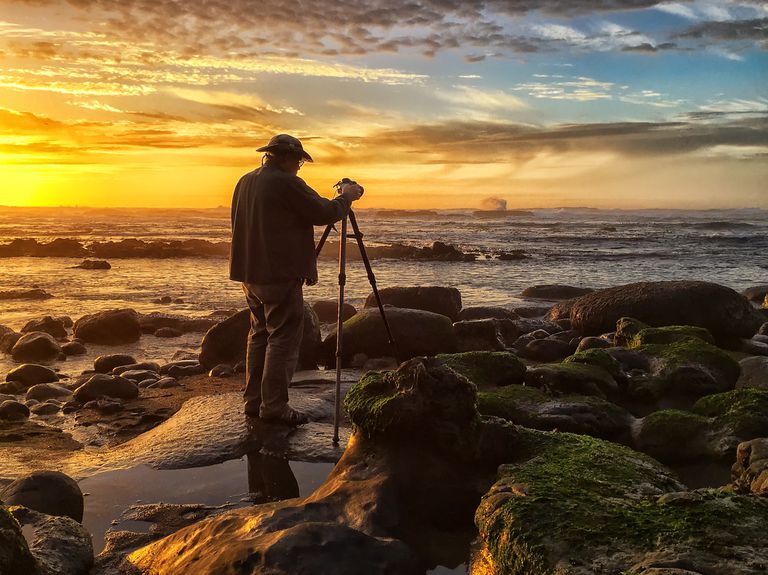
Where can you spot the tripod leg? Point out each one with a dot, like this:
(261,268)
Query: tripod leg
(324,237)
(340,327)
(372,281)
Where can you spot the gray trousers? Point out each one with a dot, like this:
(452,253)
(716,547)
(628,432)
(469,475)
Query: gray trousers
(277,323)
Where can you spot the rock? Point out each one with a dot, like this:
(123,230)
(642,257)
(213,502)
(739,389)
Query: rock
(557,379)
(94,265)
(168,332)
(34,294)
(592,343)
(144,365)
(43,409)
(49,325)
(753,347)
(152,322)
(226,341)
(531,407)
(109,385)
(719,309)
(65,320)
(61,545)
(30,374)
(531,311)
(49,492)
(436,299)
(166,382)
(35,346)
(11,410)
(667,334)
(760,338)
(756,294)
(327,311)
(486,312)
(546,350)
(555,291)
(221,370)
(106,363)
(750,472)
(74,348)
(740,415)
(415,332)
(682,372)
(754,372)
(599,358)
(763,329)
(15,557)
(137,375)
(619,521)
(45,391)
(8,340)
(478,335)
(486,369)
(674,436)
(113,327)
(179,371)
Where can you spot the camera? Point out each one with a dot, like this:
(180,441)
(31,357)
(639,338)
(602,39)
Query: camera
(342,182)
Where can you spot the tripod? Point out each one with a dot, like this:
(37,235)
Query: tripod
(343,236)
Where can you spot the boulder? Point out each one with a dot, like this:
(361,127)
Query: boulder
(152,322)
(719,309)
(29,374)
(484,368)
(558,379)
(144,365)
(113,327)
(531,407)
(486,312)
(750,472)
(94,265)
(327,311)
(110,385)
(675,437)
(45,391)
(226,341)
(756,294)
(531,311)
(106,363)
(581,505)
(754,372)
(47,324)
(137,375)
(555,291)
(763,329)
(415,332)
(8,340)
(168,332)
(36,346)
(436,299)
(43,409)
(592,342)
(33,294)
(479,335)
(61,545)
(752,347)
(15,557)
(49,492)
(547,350)
(11,410)
(74,348)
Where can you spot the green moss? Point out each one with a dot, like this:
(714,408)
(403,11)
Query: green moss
(597,357)
(627,328)
(742,412)
(671,435)
(486,368)
(694,351)
(669,334)
(584,495)
(367,401)
(506,401)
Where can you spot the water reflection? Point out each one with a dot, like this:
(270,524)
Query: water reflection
(270,478)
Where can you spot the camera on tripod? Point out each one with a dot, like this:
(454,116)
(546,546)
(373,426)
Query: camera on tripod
(343,182)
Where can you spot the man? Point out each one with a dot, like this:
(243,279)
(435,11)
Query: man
(273,255)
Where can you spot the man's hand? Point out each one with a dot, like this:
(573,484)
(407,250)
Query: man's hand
(352,191)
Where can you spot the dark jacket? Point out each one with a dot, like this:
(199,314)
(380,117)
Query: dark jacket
(273,214)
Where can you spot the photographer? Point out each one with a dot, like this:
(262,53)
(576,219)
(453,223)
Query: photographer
(273,255)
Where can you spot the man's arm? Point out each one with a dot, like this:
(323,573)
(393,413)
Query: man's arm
(313,208)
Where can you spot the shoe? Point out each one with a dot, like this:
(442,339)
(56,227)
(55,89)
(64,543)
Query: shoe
(288,417)
(251,410)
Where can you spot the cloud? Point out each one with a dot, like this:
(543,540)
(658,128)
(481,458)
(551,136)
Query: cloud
(754,29)
(489,100)
(577,88)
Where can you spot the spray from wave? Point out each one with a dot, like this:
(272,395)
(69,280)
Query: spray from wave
(495,204)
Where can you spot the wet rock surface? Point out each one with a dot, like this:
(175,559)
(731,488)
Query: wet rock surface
(113,327)
(49,492)
(441,300)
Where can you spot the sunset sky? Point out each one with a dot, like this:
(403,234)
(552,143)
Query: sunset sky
(433,103)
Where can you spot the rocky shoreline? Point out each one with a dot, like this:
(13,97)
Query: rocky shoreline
(559,437)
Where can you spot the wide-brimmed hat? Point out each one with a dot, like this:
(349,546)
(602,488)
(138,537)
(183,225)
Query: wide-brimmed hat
(285,143)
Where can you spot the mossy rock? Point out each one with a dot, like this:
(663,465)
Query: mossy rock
(486,369)
(15,556)
(626,329)
(421,401)
(669,334)
(578,505)
(572,378)
(598,358)
(531,407)
(741,414)
(674,436)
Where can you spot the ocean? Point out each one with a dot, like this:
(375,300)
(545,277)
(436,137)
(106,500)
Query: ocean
(575,246)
